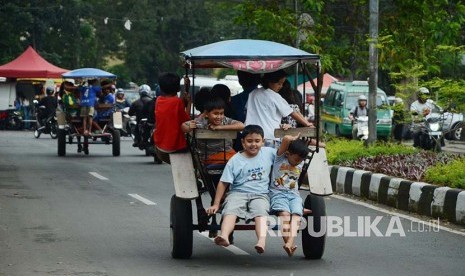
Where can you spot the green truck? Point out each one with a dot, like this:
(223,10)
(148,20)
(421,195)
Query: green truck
(341,98)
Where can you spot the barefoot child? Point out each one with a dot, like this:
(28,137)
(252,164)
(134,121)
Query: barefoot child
(284,194)
(215,151)
(247,175)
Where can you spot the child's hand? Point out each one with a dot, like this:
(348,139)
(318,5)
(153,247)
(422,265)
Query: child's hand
(309,124)
(312,142)
(212,209)
(285,126)
(192,124)
(213,127)
(290,138)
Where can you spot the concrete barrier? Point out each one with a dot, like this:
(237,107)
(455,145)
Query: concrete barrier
(417,197)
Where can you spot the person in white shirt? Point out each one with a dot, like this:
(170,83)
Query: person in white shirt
(420,108)
(266,107)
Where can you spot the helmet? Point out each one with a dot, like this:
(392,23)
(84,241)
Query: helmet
(49,90)
(144,90)
(422,94)
(423,90)
(362,98)
(120,91)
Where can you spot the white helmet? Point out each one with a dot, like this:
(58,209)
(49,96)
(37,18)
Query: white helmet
(362,98)
(423,90)
(144,90)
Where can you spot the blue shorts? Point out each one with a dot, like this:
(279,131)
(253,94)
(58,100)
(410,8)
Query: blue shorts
(246,206)
(286,202)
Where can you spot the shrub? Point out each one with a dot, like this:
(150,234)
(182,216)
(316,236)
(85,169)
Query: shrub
(408,166)
(451,174)
(340,150)
(399,161)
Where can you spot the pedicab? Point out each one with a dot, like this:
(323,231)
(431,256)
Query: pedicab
(70,128)
(192,177)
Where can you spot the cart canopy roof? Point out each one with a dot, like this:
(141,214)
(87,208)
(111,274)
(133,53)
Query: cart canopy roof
(88,73)
(256,56)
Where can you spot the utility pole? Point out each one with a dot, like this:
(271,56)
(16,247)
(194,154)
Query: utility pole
(297,44)
(373,80)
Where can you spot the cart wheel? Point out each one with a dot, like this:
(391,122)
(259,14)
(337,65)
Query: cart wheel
(181,228)
(53,130)
(85,147)
(313,244)
(36,133)
(116,142)
(61,135)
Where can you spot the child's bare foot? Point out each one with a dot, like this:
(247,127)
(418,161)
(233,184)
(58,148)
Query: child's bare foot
(260,248)
(290,249)
(219,240)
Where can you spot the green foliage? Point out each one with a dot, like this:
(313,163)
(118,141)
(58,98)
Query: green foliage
(451,174)
(451,93)
(398,160)
(418,40)
(340,150)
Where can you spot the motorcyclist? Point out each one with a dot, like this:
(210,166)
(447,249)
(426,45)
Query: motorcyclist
(420,108)
(137,109)
(121,102)
(359,110)
(50,103)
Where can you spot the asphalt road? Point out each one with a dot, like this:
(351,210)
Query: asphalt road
(104,215)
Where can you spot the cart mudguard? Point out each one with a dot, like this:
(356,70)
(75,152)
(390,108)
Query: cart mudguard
(117,120)
(318,174)
(182,168)
(61,119)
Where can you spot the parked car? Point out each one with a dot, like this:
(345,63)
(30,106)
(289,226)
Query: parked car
(453,122)
(341,98)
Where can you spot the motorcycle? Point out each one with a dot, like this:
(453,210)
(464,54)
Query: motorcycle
(47,125)
(362,127)
(11,120)
(129,123)
(430,132)
(146,142)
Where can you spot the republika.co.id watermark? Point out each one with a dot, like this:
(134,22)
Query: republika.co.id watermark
(359,226)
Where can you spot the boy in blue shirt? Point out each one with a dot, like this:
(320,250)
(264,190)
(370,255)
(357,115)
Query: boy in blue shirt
(106,98)
(247,175)
(88,97)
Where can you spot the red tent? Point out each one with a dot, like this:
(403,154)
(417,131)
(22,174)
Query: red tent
(327,80)
(30,65)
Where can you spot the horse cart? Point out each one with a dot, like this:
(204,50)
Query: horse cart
(193,178)
(70,128)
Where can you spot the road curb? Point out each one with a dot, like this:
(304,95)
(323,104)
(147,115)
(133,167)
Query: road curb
(417,197)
